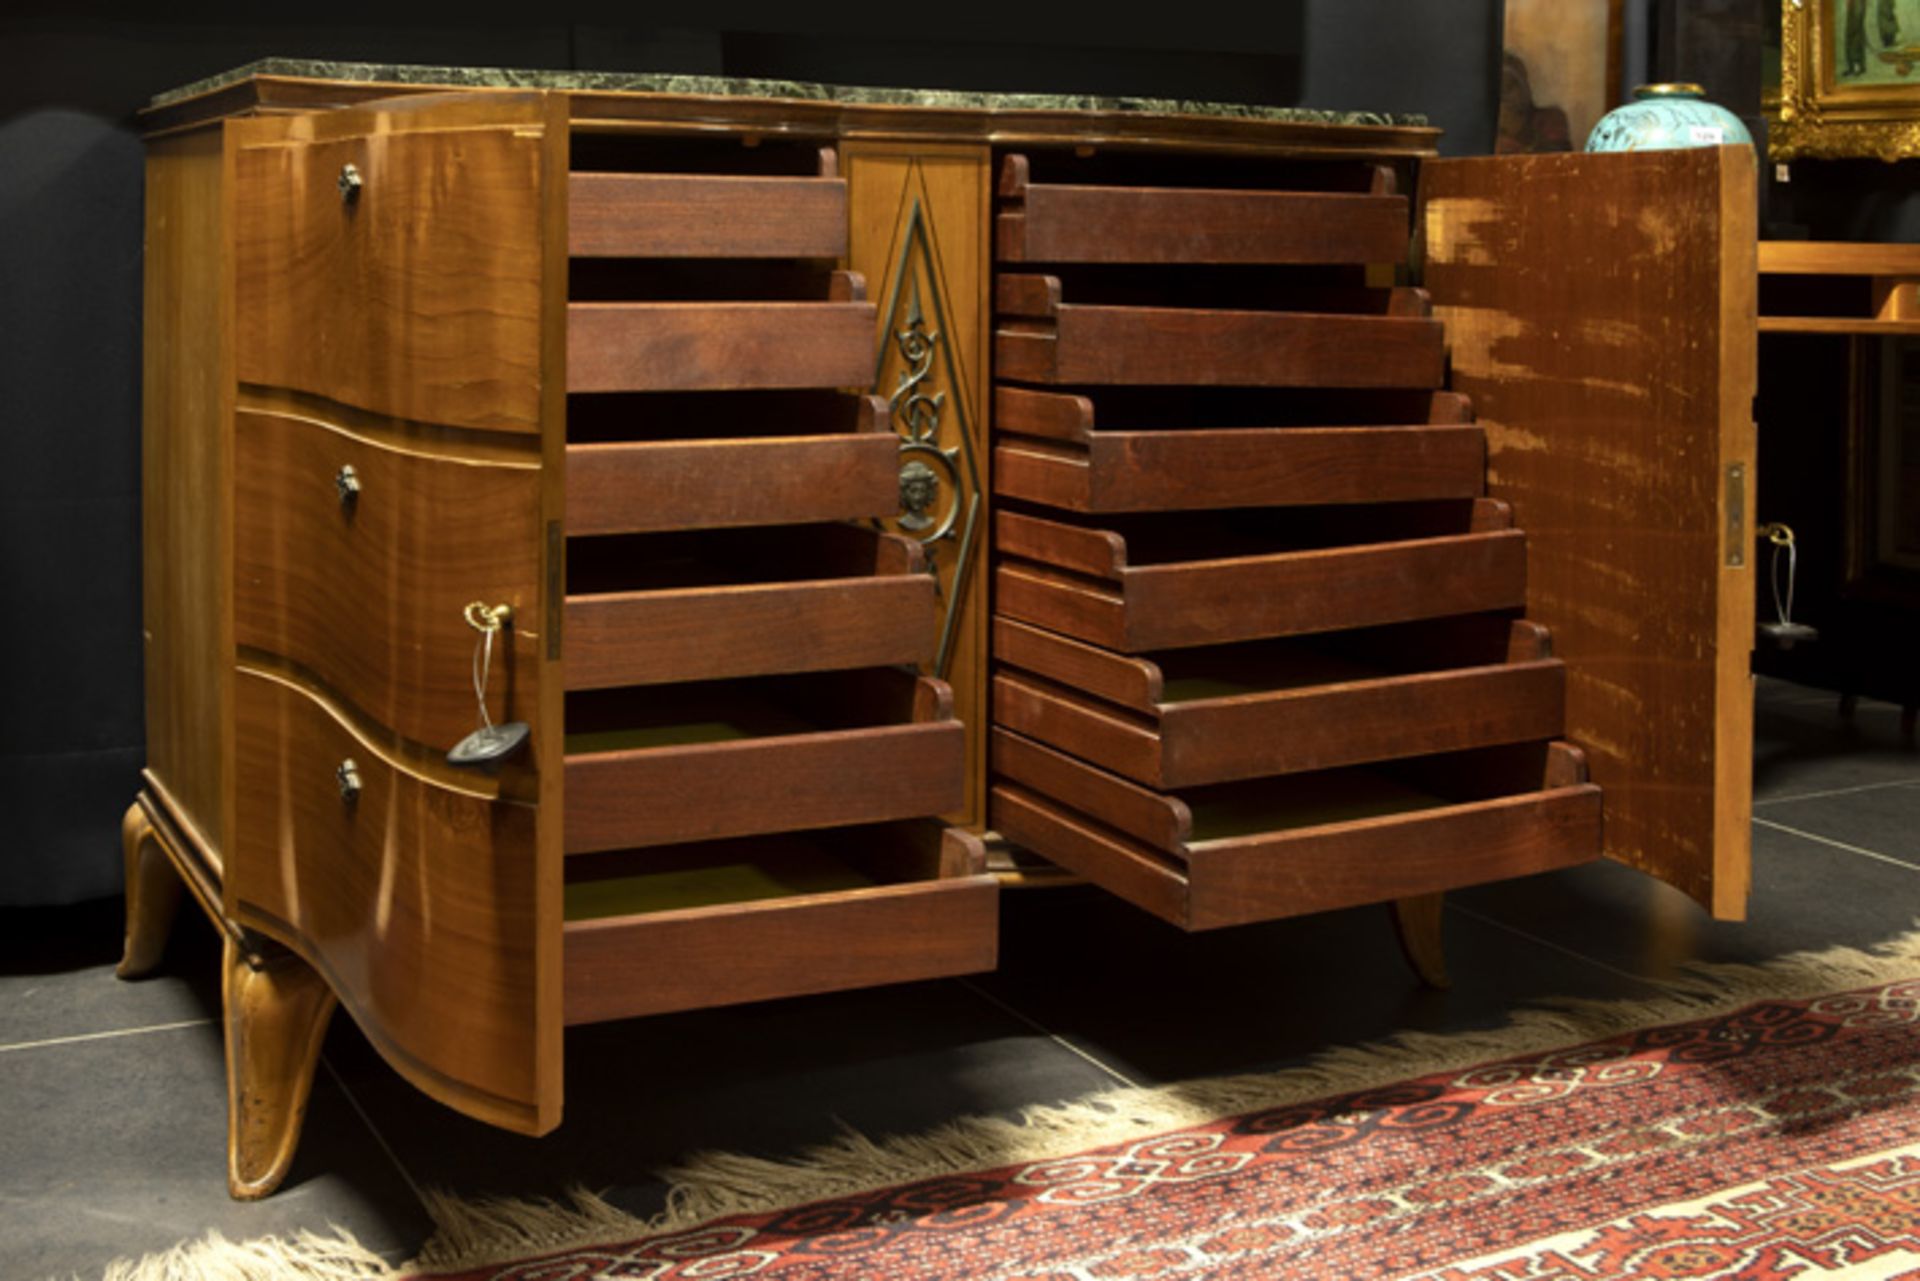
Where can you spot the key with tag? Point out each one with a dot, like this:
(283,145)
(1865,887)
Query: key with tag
(1783,632)
(490,743)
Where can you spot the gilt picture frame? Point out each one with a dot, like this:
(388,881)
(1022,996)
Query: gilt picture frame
(1849,80)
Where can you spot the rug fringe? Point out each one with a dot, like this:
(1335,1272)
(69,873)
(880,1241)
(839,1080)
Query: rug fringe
(483,1233)
(305,1256)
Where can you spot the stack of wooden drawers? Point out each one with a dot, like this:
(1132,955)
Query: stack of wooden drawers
(745,734)
(1256,630)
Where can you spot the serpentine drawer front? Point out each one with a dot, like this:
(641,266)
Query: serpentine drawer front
(614,550)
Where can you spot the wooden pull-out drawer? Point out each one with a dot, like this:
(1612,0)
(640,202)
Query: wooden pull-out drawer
(709,482)
(1072,222)
(685,927)
(1042,339)
(355,557)
(722,346)
(1140,583)
(394,269)
(662,608)
(671,763)
(409,884)
(1255,851)
(1050,451)
(700,215)
(1194,717)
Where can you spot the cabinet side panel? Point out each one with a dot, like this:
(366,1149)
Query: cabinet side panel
(1597,317)
(185,482)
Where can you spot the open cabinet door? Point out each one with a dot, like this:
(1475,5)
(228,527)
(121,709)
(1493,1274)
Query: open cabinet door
(1601,314)
(398,274)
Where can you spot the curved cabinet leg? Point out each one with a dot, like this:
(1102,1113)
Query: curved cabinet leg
(1418,922)
(277,1008)
(153,894)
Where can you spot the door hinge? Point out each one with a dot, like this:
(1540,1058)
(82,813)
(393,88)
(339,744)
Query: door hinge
(1736,515)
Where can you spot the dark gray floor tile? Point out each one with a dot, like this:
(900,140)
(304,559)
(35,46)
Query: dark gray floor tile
(1806,896)
(1803,747)
(1885,820)
(1162,1005)
(771,1079)
(122,1151)
(56,975)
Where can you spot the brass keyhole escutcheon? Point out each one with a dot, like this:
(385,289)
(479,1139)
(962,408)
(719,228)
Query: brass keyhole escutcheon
(346,482)
(347,775)
(349,184)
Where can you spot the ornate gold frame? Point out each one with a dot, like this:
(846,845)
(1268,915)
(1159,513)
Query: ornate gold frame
(1814,119)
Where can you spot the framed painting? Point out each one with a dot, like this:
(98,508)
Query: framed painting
(1849,80)
(1560,72)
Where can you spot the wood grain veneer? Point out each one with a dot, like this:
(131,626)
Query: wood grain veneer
(347,299)
(369,597)
(1610,352)
(1044,800)
(186,484)
(1051,451)
(941,923)
(1076,223)
(381,894)
(670,215)
(1349,718)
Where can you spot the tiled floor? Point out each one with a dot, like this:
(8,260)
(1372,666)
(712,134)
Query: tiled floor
(114,1142)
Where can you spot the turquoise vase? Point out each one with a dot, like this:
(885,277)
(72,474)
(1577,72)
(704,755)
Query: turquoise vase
(1663,117)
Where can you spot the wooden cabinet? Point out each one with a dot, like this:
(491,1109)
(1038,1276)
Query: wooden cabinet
(828,469)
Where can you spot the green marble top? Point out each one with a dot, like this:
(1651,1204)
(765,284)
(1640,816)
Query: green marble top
(731,87)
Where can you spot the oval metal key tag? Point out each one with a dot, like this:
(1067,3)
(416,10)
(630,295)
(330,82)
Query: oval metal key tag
(490,742)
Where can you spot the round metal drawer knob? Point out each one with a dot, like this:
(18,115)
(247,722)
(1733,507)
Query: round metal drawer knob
(349,184)
(346,482)
(347,774)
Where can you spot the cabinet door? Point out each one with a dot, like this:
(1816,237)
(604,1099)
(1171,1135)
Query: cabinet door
(398,276)
(1600,310)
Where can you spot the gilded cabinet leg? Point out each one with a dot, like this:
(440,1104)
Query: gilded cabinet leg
(1418,922)
(153,894)
(277,1008)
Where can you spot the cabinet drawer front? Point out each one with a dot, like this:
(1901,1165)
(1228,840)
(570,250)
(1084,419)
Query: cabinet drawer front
(916,905)
(675,215)
(711,484)
(1202,469)
(368,594)
(1313,869)
(1069,223)
(718,346)
(1168,346)
(420,296)
(661,765)
(710,790)
(1290,731)
(417,896)
(700,957)
(1176,605)
(644,638)
(1331,590)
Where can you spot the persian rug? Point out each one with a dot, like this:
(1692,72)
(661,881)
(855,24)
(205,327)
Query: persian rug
(1759,1123)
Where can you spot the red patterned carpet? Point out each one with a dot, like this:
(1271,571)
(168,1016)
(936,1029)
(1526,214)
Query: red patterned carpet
(1778,1140)
(1759,1123)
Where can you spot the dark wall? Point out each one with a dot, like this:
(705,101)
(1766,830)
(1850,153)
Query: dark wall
(70,234)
